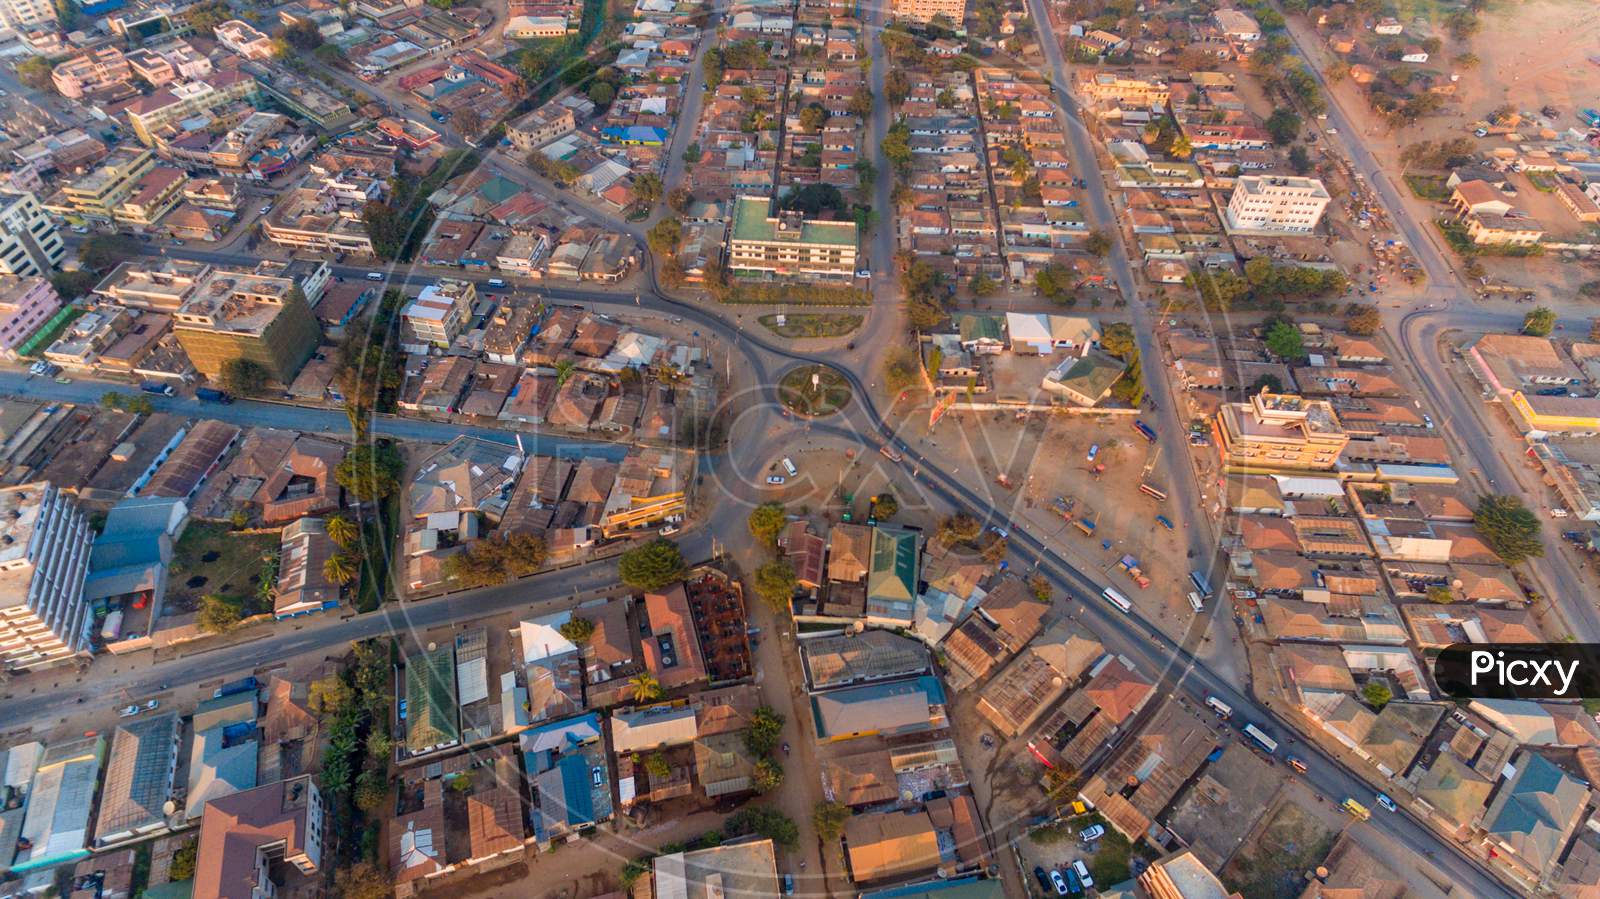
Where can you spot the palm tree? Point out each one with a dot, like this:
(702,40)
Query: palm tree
(339,569)
(342,530)
(645,687)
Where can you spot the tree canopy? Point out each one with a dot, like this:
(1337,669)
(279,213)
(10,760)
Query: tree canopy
(1285,341)
(1509,527)
(651,566)
(245,377)
(766,522)
(1539,322)
(496,560)
(370,471)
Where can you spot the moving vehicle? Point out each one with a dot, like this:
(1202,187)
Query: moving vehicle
(1092,832)
(1260,738)
(1118,600)
(776,479)
(788,465)
(1387,803)
(1083,873)
(128,711)
(242,685)
(152,705)
(1164,521)
(890,453)
(1355,809)
(156,387)
(212,395)
(1297,765)
(374,276)
(1059,883)
(496,282)
(62,379)
(1223,710)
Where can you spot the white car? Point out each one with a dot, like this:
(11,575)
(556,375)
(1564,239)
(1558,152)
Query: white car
(1092,832)
(1060,883)
(152,705)
(1333,131)
(669,530)
(1387,803)
(1083,873)
(129,712)
(776,479)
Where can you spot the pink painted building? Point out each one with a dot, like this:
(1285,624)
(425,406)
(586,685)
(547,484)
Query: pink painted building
(25,304)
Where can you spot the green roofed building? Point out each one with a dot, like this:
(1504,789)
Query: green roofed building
(1084,381)
(892,575)
(430,715)
(788,245)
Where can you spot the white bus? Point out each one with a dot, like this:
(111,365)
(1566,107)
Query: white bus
(1261,739)
(1118,600)
(1223,710)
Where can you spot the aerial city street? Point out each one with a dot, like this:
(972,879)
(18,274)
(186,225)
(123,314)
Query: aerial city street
(698,449)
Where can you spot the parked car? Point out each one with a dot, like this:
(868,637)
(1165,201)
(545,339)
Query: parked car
(1092,832)
(1083,873)
(129,711)
(1043,878)
(776,479)
(152,705)
(1058,882)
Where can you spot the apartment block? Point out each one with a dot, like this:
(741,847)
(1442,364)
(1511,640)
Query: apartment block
(1276,203)
(788,244)
(238,315)
(153,196)
(925,10)
(243,39)
(91,70)
(170,105)
(311,219)
(435,317)
(1124,89)
(540,127)
(21,15)
(1280,431)
(25,304)
(98,194)
(29,241)
(44,555)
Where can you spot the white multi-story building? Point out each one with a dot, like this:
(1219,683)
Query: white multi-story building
(29,241)
(21,15)
(44,555)
(436,316)
(1276,203)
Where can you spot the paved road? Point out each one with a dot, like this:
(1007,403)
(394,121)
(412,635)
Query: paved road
(1225,652)
(1448,305)
(302,418)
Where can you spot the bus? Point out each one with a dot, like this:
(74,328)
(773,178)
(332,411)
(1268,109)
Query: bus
(1117,599)
(1355,809)
(1223,710)
(1148,432)
(1261,739)
(1201,583)
(1149,489)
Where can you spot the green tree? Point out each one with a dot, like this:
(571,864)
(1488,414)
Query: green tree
(1285,341)
(900,370)
(578,630)
(218,614)
(812,118)
(1509,527)
(886,506)
(370,472)
(1440,594)
(828,819)
(1040,585)
(764,821)
(326,696)
(1362,321)
(1118,340)
(765,731)
(1539,323)
(245,377)
(768,775)
(645,687)
(959,528)
(342,531)
(362,880)
(102,251)
(183,860)
(339,569)
(766,522)
(371,793)
(1376,694)
(1283,125)
(664,235)
(982,285)
(655,764)
(1098,243)
(496,560)
(35,72)
(647,187)
(775,583)
(651,566)
(601,94)
(1299,159)
(303,35)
